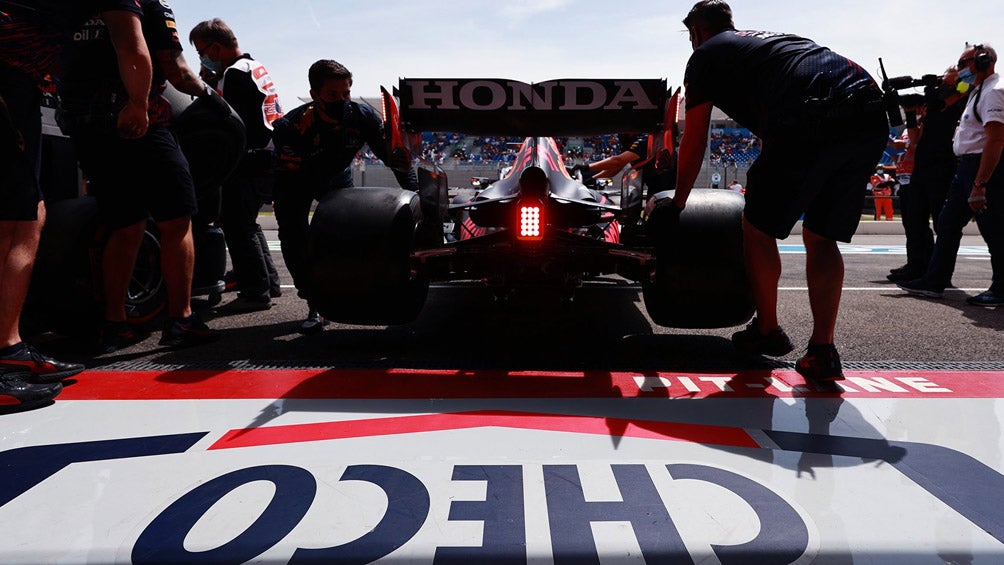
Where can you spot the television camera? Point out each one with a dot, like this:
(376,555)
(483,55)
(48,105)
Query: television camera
(936,91)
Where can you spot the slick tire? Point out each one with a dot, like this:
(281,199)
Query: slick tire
(700,279)
(359,248)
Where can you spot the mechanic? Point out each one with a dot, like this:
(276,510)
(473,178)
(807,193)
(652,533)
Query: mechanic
(656,171)
(822,126)
(933,166)
(978,186)
(315,144)
(138,173)
(246,85)
(30,41)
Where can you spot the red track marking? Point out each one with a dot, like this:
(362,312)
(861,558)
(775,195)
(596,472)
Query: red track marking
(276,435)
(410,384)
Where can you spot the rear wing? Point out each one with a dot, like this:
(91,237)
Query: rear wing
(563,107)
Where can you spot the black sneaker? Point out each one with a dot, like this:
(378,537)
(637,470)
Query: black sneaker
(820,363)
(244,305)
(751,342)
(313,324)
(186,332)
(987,298)
(42,369)
(918,287)
(118,335)
(16,393)
(229,281)
(904,275)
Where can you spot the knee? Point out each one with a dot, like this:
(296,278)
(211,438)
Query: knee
(172,230)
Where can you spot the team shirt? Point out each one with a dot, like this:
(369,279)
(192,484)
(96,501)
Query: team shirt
(986,104)
(91,85)
(308,145)
(32,31)
(247,86)
(763,79)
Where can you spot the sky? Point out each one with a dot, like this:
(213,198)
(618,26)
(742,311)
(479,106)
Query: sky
(380,41)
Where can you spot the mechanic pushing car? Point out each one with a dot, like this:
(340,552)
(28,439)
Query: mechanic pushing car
(316,144)
(823,127)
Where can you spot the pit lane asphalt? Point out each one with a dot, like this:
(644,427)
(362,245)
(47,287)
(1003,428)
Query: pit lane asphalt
(605,329)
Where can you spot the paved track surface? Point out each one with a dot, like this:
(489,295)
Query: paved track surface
(606,327)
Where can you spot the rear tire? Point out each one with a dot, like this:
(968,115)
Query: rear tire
(700,279)
(359,251)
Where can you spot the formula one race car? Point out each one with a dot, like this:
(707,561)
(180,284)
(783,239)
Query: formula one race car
(374,250)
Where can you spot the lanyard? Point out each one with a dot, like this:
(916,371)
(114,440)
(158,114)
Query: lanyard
(976,103)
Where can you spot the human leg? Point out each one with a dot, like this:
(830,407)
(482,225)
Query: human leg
(292,209)
(177,258)
(824,272)
(915,210)
(955,214)
(118,259)
(18,244)
(27,378)
(274,288)
(991,223)
(763,266)
(887,209)
(240,228)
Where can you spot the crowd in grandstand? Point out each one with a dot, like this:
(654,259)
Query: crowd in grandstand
(733,147)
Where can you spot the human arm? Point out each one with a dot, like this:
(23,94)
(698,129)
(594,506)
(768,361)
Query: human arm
(374,136)
(135,68)
(612,165)
(179,74)
(692,147)
(989,161)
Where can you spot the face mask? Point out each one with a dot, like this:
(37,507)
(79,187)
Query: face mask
(967,76)
(335,110)
(210,64)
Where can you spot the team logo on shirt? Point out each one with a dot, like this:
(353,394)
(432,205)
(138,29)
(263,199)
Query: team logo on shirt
(165,4)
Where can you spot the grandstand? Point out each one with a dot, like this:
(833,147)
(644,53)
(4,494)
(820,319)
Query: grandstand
(731,150)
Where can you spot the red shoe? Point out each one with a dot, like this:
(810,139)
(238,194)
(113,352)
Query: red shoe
(43,369)
(17,394)
(820,363)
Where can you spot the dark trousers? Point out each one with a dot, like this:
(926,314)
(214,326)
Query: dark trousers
(292,211)
(243,196)
(956,213)
(920,204)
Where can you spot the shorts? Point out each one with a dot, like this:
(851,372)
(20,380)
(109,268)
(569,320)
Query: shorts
(818,173)
(135,179)
(20,123)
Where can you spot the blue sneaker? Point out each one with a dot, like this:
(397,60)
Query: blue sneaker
(986,298)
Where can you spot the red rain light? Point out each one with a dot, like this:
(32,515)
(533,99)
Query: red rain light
(531,225)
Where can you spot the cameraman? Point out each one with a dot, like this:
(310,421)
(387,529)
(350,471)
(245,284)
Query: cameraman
(978,185)
(933,166)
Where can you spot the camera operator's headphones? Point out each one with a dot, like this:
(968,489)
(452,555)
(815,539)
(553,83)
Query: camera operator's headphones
(981,59)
